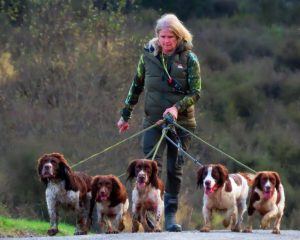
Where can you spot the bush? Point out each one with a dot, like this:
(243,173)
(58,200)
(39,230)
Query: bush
(288,56)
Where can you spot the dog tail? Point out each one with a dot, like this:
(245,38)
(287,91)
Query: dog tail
(249,177)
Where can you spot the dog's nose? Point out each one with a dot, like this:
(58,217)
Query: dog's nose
(267,188)
(142,174)
(46,167)
(207,183)
(142,177)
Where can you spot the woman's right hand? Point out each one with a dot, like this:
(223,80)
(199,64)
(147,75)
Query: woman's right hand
(122,125)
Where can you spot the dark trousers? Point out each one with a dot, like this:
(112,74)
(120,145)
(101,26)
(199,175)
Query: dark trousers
(174,164)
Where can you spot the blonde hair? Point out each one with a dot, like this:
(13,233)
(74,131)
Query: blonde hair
(175,25)
(171,22)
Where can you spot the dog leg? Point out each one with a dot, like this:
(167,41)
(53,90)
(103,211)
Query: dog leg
(207,214)
(121,226)
(276,229)
(105,225)
(241,210)
(53,215)
(231,213)
(265,222)
(147,220)
(158,223)
(116,223)
(81,222)
(248,229)
(135,223)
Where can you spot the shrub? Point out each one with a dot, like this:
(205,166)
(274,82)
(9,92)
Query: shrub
(288,56)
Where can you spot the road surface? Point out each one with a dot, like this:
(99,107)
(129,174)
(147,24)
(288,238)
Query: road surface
(186,235)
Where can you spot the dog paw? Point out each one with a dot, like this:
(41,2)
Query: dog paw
(112,232)
(247,230)
(80,233)
(52,231)
(135,228)
(121,226)
(276,231)
(226,223)
(236,229)
(205,229)
(264,224)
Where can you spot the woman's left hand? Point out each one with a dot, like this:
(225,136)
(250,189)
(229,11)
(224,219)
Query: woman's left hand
(173,111)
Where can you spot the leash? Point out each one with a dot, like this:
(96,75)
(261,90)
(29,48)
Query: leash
(154,149)
(164,134)
(215,148)
(115,145)
(183,151)
(168,119)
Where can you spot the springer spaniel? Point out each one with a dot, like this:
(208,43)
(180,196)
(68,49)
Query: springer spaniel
(267,197)
(65,188)
(224,192)
(112,203)
(147,195)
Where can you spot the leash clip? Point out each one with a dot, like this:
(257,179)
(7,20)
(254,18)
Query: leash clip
(169,119)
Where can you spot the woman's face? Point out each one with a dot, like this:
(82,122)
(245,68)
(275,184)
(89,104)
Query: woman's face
(167,40)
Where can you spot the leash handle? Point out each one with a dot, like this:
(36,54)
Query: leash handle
(169,119)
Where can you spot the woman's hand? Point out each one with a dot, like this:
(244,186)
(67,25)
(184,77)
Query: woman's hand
(173,111)
(122,125)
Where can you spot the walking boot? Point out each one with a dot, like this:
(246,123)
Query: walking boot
(171,206)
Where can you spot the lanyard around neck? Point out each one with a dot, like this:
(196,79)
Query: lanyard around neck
(170,80)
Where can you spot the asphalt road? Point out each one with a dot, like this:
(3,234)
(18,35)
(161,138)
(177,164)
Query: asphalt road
(188,235)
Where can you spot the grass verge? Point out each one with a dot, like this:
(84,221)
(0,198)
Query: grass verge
(10,227)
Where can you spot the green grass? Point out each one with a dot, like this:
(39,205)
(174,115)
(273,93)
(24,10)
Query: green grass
(10,227)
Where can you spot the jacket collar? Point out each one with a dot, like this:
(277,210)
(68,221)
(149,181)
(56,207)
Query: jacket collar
(149,51)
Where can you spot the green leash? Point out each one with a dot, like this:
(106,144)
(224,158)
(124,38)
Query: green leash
(115,145)
(215,148)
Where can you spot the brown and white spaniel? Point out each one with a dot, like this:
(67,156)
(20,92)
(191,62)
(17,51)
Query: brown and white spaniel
(147,195)
(112,203)
(65,188)
(267,198)
(223,192)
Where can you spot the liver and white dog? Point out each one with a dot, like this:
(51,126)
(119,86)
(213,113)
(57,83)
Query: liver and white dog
(224,192)
(147,195)
(65,188)
(112,203)
(266,197)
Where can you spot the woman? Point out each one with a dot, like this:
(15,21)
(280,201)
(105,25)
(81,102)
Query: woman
(170,74)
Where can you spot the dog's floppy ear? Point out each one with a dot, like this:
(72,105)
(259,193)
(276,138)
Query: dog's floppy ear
(41,162)
(154,176)
(200,176)
(223,174)
(118,193)
(256,181)
(94,186)
(278,181)
(116,183)
(131,170)
(94,195)
(65,172)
